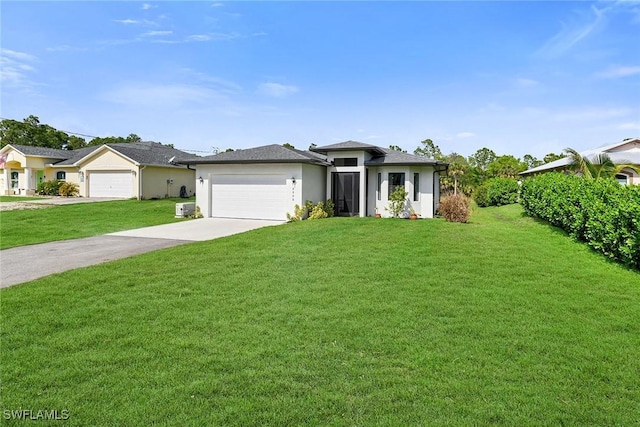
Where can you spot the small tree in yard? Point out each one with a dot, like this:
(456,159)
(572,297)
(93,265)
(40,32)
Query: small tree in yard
(397,201)
(455,208)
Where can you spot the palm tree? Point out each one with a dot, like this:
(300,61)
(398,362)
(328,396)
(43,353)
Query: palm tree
(600,167)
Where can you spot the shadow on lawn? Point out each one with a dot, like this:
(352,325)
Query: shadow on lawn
(561,232)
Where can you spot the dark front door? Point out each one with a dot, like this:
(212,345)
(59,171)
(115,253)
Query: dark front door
(346,193)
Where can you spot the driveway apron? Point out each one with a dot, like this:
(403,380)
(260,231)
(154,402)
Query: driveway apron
(26,263)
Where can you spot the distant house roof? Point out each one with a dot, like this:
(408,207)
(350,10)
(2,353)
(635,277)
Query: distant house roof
(394,157)
(266,154)
(52,153)
(627,151)
(144,153)
(348,146)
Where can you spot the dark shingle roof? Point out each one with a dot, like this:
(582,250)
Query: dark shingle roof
(151,153)
(348,145)
(52,153)
(394,157)
(145,153)
(266,154)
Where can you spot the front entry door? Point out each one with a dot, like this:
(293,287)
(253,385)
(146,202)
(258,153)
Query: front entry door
(345,193)
(39,177)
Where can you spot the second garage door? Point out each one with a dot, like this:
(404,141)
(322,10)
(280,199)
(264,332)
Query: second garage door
(250,196)
(111,184)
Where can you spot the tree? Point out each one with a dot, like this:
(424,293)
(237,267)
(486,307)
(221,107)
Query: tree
(31,132)
(482,158)
(457,171)
(287,145)
(397,148)
(551,157)
(531,161)
(506,167)
(115,140)
(600,167)
(428,149)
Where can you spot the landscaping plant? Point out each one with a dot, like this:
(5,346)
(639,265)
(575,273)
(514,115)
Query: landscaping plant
(397,201)
(600,212)
(455,208)
(497,192)
(68,189)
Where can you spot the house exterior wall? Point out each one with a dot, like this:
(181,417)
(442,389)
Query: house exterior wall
(207,171)
(160,182)
(314,178)
(424,206)
(107,160)
(27,168)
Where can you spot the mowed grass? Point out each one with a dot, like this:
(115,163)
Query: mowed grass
(503,321)
(30,226)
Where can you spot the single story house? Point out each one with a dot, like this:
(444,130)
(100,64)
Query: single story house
(621,153)
(141,170)
(267,182)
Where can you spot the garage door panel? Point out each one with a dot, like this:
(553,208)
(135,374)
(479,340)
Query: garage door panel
(250,196)
(111,184)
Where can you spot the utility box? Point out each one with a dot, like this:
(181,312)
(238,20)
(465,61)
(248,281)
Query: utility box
(185,209)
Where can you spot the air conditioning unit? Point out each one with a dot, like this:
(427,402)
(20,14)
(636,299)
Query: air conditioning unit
(183,210)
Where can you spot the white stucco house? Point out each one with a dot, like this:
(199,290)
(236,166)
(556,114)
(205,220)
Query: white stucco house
(621,153)
(267,182)
(142,170)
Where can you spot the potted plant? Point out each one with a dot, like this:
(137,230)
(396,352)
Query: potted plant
(412,213)
(378,213)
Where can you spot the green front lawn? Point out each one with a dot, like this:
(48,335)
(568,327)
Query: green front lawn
(26,227)
(336,322)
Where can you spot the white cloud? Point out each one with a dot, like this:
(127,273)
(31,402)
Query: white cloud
(584,24)
(126,21)
(17,55)
(147,6)
(199,38)
(15,68)
(217,5)
(157,33)
(162,95)
(277,90)
(619,71)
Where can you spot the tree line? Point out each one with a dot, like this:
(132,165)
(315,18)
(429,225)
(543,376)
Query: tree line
(31,132)
(467,173)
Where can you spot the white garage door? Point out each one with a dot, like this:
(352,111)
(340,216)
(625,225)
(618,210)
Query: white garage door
(250,196)
(111,184)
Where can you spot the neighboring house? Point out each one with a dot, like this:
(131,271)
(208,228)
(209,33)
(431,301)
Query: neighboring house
(267,182)
(625,152)
(141,170)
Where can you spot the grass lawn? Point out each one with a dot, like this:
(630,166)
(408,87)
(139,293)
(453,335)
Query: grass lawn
(342,321)
(26,227)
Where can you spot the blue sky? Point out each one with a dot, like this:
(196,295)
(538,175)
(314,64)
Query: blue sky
(517,77)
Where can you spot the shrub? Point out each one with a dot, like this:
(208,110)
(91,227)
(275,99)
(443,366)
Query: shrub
(68,189)
(49,188)
(455,208)
(311,211)
(601,212)
(497,192)
(481,196)
(397,201)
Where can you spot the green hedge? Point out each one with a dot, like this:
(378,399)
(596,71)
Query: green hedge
(601,212)
(497,192)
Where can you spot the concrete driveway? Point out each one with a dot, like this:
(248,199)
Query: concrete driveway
(26,263)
